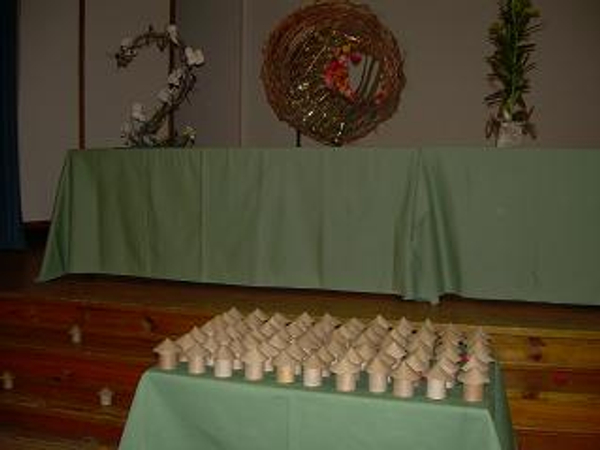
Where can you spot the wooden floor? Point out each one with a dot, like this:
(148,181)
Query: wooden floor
(19,269)
(514,321)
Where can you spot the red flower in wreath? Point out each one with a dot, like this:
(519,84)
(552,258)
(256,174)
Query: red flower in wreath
(337,72)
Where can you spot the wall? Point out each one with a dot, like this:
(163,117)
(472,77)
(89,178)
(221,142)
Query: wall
(47,98)
(445,47)
(444,44)
(48,84)
(214,106)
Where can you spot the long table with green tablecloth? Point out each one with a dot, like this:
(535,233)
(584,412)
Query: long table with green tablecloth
(485,223)
(177,411)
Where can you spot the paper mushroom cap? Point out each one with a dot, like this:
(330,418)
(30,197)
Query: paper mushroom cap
(474,377)
(450,353)
(284,359)
(280,320)
(268,350)
(186,341)
(405,372)
(331,320)
(366,351)
(305,318)
(438,373)
(448,365)
(395,350)
(197,334)
(382,322)
(167,347)
(325,355)
(233,312)
(475,362)
(224,353)
(404,327)
(278,342)
(356,325)
(417,364)
(260,314)
(295,351)
(345,366)
(428,325)
(378,366)
(196,352)
(313,362)
(253,355)
(352,355)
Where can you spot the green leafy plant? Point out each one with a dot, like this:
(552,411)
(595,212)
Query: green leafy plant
(510,65)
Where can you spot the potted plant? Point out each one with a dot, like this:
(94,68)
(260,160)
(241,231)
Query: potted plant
(510,65)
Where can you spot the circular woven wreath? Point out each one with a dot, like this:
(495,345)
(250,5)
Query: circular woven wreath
(333,71)
(142,130)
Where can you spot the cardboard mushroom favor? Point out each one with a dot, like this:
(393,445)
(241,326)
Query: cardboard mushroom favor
(198,335)
(296,352)
(378,371)
(473,381)
(327,358)
(417,364)
(313,371)
(286,367)
(404,328)
(223,367)
(8,380)
(405,380)
(346,374)
(196,358)
(185,342)
(168,352)
(105,396)
(270,352)
(437,379)
(254,363)
(395,350)
(475,362)
(238,349)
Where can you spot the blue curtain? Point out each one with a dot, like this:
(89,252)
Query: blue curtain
(11,232)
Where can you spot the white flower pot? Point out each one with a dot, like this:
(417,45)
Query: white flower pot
(510,134)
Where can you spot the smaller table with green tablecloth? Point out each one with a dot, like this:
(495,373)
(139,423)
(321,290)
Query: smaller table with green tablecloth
(177,411)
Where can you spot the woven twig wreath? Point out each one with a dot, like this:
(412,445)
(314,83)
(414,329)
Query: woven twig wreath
(333,71)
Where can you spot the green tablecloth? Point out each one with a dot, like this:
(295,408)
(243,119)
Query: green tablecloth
(487,223)
(177,411)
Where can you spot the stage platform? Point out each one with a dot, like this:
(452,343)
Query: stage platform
(550,353)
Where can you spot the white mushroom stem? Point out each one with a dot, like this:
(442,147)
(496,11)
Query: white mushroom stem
(254,371)
(436,389)
(345,382)
(286,374)
(403,388)
(312,376)
(473,392)
(377,382)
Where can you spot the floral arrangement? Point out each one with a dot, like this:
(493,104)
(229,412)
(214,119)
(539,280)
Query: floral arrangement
(141,129)
(337,72)
(510,64)
(336,75)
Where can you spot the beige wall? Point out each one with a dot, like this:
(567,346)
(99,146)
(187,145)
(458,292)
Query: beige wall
(48,84)
(47,99)
(444,43)
(214,107)
(445,46)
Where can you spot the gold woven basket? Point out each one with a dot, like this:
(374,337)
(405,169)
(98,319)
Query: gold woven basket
(333,71)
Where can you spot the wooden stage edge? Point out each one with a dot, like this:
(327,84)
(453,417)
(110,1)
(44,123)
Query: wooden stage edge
(208,299)
(550,353)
